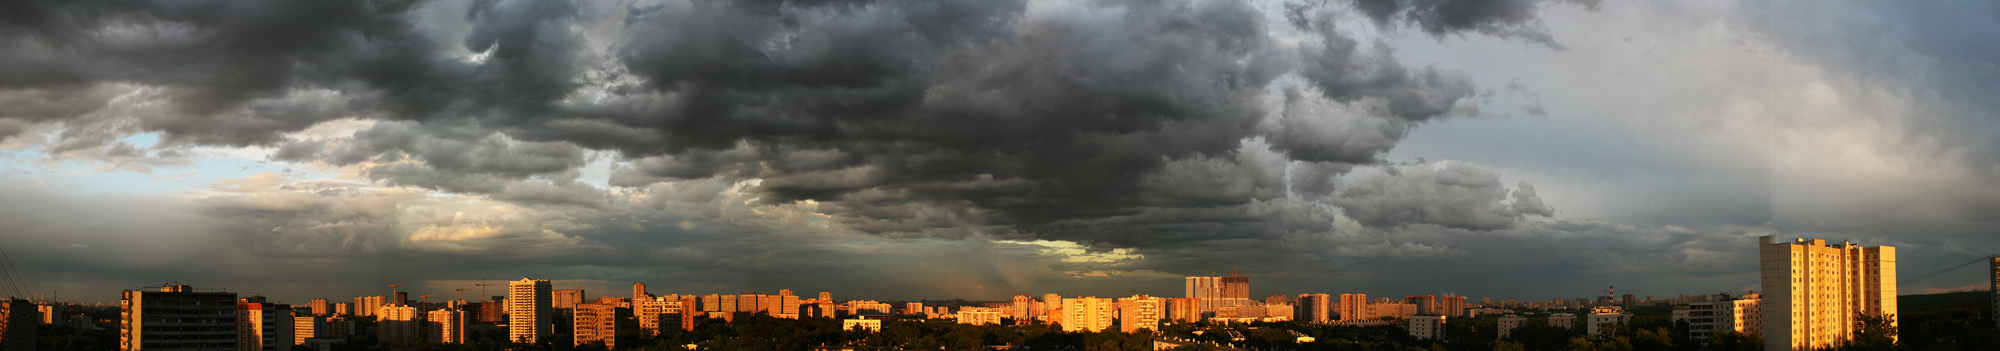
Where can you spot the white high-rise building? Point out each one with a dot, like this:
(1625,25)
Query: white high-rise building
(1140,312)
(1091,313)
(399,325)
(445,326)
(1813,290)
(529,307)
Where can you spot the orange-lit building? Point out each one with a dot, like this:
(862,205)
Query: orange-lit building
(596,323)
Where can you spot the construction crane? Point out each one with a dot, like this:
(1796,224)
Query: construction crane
(1211,272)
(482,288)
(1232,271)
(424,299)
(461,295)
(392,295)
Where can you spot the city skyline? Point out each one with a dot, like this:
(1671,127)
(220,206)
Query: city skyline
(979,149)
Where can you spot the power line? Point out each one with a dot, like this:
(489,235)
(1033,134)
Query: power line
(14,276)
(1946,270)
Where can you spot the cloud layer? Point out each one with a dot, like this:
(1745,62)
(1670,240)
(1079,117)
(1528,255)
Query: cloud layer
(1008,145)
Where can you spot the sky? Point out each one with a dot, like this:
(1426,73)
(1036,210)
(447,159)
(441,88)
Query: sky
(939,149)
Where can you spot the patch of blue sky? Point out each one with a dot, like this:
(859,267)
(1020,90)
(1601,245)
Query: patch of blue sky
(93,177)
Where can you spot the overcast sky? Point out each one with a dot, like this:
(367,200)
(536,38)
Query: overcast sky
(921,149)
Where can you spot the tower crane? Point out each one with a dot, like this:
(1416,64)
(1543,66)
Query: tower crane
(392,295)
(482,288)
(461,295)
(424,299)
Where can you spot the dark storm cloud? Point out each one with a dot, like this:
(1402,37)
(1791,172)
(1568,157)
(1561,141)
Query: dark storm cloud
(1118,124)
(1439,18)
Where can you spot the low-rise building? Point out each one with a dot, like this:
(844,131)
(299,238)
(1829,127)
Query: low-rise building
(1507,324)
(1562,320)
(978,316)
(1427,327)
(1741,314)
(863,324)
(1602,318)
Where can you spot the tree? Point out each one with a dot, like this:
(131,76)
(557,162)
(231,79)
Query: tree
(1730,340)
(1873,332)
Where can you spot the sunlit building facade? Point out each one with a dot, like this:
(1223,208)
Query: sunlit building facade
(1813,290)
(529,310)
(399,325)
(1139,312)
(596,323)
(1091,314)
(445,326)
(1353,307)
(1313,308)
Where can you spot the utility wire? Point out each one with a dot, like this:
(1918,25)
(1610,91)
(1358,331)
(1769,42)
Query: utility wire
(20,286)
(1941,272)
(12,283)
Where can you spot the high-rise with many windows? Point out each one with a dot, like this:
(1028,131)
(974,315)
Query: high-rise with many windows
(1312,308)
(445,326)
(399,325)
(177,318)
(1091,314)
(596,323)
(529,310)
(263,326)
(18,320)
(1995,288)
(1813,290)
(1353,307)
(1140,312)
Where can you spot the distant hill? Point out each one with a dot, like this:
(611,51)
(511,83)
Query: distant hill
(1929,300)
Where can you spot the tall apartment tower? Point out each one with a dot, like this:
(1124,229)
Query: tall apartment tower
(1426,304)
(1091,314)
(1313,308)
(596,323)
(366,305)
(198,320)
(1995,288)
(567,298)
(529,309)
(654,313)
(1019,309)
(1813,290)
(1140,312)
(320,307)
(1353,307)
(18,320)
(1453,306)
(1236,288)
(399,325)
(445,326)
(263,326)
(639,293)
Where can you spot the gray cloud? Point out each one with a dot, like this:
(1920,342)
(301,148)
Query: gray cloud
(1439,18)
(1448,194)
(964,127)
